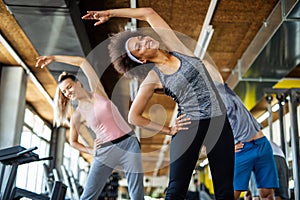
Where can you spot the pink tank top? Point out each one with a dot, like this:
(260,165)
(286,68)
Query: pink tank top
(105,120)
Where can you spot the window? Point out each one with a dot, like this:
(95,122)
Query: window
(35,133)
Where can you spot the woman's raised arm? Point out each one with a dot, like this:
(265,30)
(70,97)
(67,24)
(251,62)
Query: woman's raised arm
(145,14)
(88,70)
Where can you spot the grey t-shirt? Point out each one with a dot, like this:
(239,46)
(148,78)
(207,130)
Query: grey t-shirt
(244,126)
(192,88)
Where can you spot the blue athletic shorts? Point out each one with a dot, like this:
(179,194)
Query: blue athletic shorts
(256,156)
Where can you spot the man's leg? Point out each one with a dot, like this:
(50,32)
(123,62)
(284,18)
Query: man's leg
(266,193)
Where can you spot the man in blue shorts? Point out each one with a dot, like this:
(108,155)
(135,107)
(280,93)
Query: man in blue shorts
(253,150)
(281,193)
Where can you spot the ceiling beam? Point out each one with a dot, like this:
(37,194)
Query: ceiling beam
(26,68)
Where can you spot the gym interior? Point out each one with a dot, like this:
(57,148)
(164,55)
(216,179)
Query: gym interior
(254,43)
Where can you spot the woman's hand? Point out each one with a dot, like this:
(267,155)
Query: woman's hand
(43,61)
(238,147)
(101,16)
(180,124)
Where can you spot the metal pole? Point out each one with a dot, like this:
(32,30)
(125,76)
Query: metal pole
(269,99)
(281,101)
(10,181)
(3,167)
(294,99)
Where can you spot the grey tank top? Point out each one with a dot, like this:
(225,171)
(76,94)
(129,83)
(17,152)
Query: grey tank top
(244,126)
(192,89)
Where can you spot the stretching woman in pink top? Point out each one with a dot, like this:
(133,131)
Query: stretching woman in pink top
(116,144)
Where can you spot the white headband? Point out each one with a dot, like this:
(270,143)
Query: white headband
(130,55)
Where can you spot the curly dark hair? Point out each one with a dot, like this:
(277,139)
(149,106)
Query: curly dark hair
(120,60)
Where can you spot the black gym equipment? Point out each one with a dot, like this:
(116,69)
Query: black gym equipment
(19,155)
(292,97)
(110,190)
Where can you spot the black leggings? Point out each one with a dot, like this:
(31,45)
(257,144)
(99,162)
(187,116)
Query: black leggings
(216,135)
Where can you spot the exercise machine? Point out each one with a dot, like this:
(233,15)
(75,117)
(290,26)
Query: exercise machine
(18,155)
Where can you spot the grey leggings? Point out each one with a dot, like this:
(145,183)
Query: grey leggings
(125,155)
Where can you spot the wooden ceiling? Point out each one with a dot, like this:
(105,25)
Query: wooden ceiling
(235,24)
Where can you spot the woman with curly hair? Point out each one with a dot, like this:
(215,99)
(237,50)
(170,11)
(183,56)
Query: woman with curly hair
(185,78)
